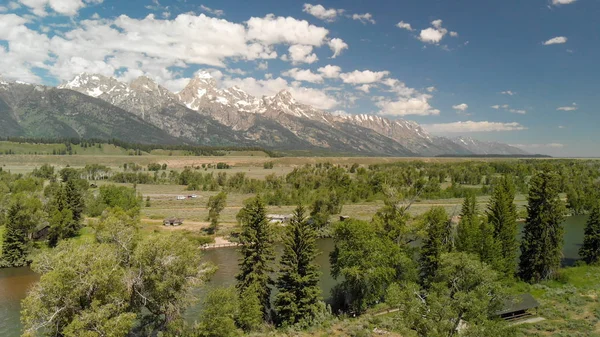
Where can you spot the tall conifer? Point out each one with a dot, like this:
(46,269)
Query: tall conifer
(257,252)
(541,246)
(590,251)
(298,283)
(502,216)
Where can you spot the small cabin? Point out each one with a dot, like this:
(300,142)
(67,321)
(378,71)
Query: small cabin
(173,222)
(279,218)
(518,307)
(41,234)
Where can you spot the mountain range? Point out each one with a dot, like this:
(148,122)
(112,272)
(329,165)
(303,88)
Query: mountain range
(96,106)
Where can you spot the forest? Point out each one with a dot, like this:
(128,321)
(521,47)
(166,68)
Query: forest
(102,275)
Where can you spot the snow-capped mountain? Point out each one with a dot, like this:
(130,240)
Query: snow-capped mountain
(203,112)
(481,147)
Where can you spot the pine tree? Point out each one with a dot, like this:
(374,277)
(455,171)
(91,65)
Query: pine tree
(434,245)
(487,246)
(468,231)
(590,251)
(502,216)
(298,283)
(74,200)
(541,246)
(21,219)
(257,252)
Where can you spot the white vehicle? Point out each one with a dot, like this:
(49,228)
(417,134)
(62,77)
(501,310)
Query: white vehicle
(180,197)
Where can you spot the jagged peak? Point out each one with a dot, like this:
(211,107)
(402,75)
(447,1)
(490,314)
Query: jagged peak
(144,82)
(84,78)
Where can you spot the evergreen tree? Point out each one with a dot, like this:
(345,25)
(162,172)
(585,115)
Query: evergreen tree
(487,246)
(74,199)
(257,252)
(298,299)
(21,219)
(590,251)
(541,246)
(502,216)
(468,232)
(434,244)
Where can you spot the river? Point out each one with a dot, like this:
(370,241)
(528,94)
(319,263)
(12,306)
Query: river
(14,282)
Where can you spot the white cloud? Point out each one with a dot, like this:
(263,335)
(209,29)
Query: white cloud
(270,87)
(518,111)
(302,54)
(321,12)
(562,2)
(215,12)
(506,107)
(273,30)
(556,40)
(407,106)
(430,89)
(404,25)
(508,92)
(363,77)
(364,18)
(435,34)
(303,75)
(460,107)
(3,9)
(471,126)
(330,71)
(262,65)
(337,45)
(573,107)
(364,88)
(62,7)
(497,107)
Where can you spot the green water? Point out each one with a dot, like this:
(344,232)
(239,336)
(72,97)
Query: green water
(14,282)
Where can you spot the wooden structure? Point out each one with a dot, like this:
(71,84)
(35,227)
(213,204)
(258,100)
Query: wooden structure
(518,307)
(279,218)
(41,234)
(344,217)
(173,222)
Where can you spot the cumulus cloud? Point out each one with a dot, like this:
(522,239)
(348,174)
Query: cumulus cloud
(330,71)
(430,89)
(364,88)
(62,7)
(302,54)
(363,77)
(562,2)
(215,12)
(364,18)
(460,107)
(556,40)
(497,107)
(262,65)
(435,34)
(471,126)
(572,107)
(518,111)
(404,25)
(508,92)
(274,30)
(270,87)
(407,106)
(337,45)
(321,12)
(303,75)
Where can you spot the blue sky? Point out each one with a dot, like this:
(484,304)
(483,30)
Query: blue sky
(520,72)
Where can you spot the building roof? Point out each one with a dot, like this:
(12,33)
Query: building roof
(517,303)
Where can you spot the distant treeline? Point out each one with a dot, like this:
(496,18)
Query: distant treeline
(493,156)
(197,150)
